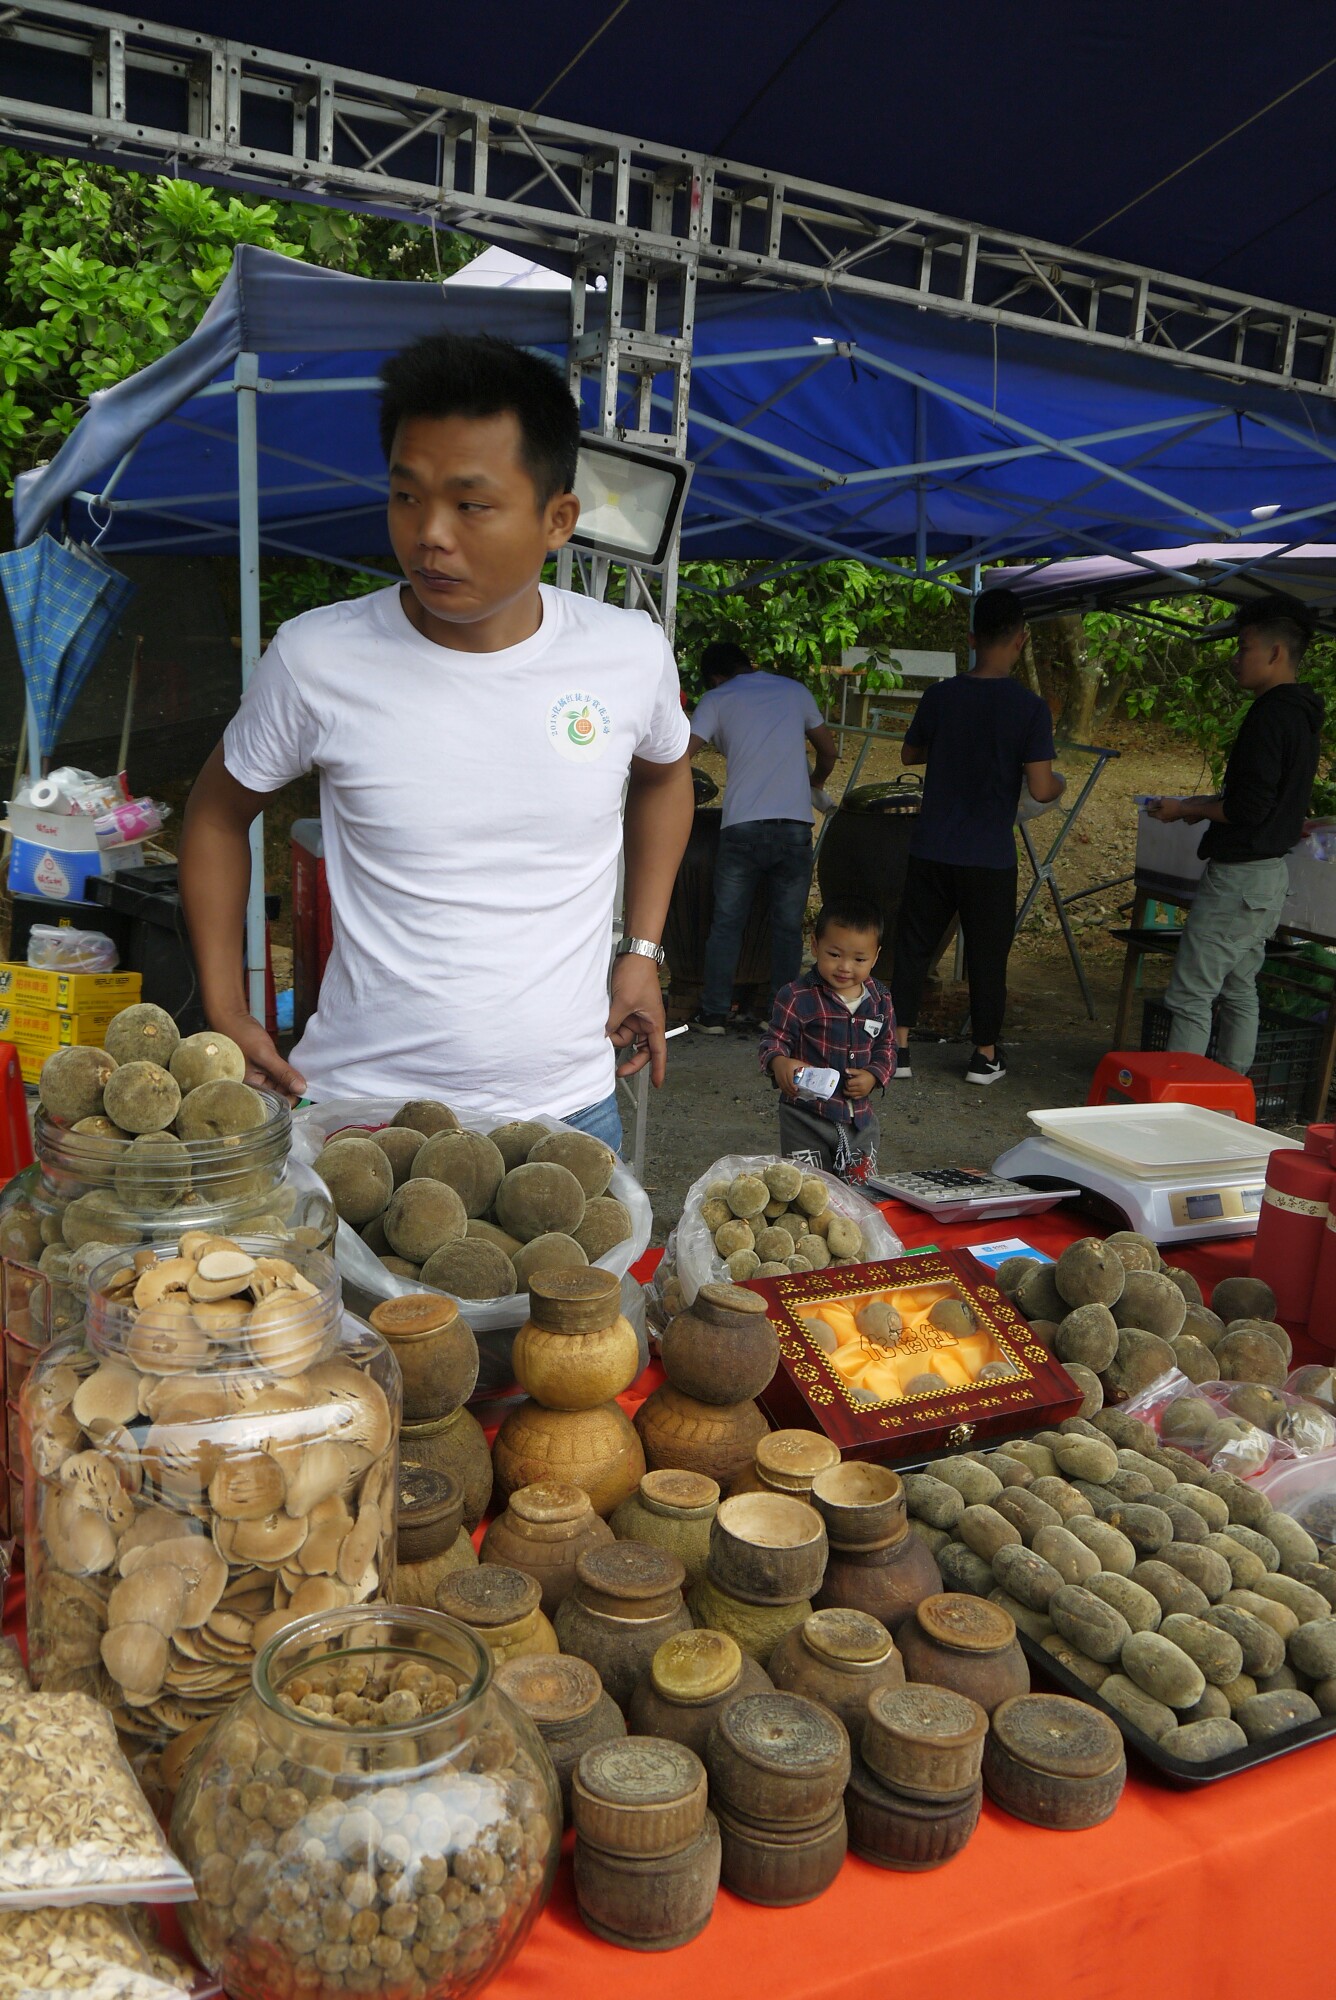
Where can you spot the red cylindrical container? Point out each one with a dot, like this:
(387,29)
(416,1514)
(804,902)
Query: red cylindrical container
(1295,1251)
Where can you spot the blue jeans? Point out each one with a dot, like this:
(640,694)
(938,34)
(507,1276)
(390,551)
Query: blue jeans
(777,852)
(602,1121)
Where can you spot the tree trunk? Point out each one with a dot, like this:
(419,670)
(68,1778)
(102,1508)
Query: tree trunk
(1081,678)
(1027,673)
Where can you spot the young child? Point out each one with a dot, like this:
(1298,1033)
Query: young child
(837,1016)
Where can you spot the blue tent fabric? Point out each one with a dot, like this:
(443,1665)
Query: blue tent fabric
(805,407)
(63,603)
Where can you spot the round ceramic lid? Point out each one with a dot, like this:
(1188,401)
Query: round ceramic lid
(687,1490)
(784,1732)
(732,1298)
(420,1312)
(968,1624)
(919,1713)
(579,1301)
(633,1570)
(550,1500)
(551,1688)
(853,1637)
(426,1495)
(491,1594)
(641,1771)
(1058,1736)
(693,1666)
(794,1458)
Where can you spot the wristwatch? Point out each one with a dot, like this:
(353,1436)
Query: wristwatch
(634,947)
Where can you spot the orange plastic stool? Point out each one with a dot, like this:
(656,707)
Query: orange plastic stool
(1165,1076)
(15,1125)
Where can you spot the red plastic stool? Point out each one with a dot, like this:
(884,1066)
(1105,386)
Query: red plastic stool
(15,1125)
(1166,1076)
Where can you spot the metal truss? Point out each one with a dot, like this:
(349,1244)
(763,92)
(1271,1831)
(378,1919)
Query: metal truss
(648,217)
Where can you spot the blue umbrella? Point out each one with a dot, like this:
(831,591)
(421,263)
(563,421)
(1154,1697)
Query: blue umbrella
(63,602)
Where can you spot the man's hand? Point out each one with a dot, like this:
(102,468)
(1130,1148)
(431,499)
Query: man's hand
(1191,811)
(859,1083)
(784,1069)
(635,1018)
(265,1067)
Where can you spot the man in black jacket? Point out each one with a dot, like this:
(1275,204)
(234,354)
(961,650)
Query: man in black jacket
(1254,823)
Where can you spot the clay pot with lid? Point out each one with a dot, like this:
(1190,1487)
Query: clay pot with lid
(432,1539)
(566,1701)
(767,1548)
(875,1564)
(787,1462)
(576,1350)
(503,1606)
(910,1834)
(722,1349)
(838,1658)
(779,1866)
(924,1742)
(692,1678)
(1054,1762)
(455,1445)
(436,1351)
(646,1848)
(681,1432)
(672,1510)
(758,1628)
(862,1505)
(596,1449)
(544,1531)
(967,1644)
(627,1600)
(778,1758)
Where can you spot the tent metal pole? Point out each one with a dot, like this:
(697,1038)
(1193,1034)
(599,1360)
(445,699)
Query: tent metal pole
(246,375)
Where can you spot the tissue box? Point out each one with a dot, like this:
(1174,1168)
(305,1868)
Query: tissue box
(61,873)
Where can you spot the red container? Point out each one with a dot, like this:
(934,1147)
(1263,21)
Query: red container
(1168,1076)
(312,919)
(1292,1222)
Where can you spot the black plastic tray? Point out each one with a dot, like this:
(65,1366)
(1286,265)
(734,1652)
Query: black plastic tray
(1177,1770)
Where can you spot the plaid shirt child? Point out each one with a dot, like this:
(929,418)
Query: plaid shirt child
(812,1024)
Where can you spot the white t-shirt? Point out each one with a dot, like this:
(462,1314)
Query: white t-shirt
(760,722)
(471,805)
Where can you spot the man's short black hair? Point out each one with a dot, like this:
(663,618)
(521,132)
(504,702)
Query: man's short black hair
(856,913)
(998,615)
(1278,620)
(476,375)
(722,659)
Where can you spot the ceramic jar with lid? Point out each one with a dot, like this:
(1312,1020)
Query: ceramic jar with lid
(778,1767)
(369,1737)
(596,1449)
(679,1431)
(646,1848)
(767,1548)
(436,1351)
(875,1564)
(433,1541)
(787,1462)
(924,1742)
(673,1510)
(576,1349)
(691,1680)
(758,1628)
(838,1658)
(544,1531)
(503,1606)
(457,1445)
(627,1600)
(566,1702)
(895,1831)
(722,1349)
(965,1643)
(1054,1762)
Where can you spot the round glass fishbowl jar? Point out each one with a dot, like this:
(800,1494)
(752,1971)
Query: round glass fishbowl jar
(210,1456)
(372,1816)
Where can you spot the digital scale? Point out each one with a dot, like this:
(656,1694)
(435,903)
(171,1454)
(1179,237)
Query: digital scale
(1173,1172)
(967,1194)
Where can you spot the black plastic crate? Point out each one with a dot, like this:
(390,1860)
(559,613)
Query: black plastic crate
(1285,1070)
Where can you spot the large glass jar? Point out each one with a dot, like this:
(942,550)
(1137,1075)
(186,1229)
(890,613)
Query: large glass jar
(372,1816)
(201,1471)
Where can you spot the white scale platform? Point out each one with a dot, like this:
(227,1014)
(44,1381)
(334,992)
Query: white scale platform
(1175,1172)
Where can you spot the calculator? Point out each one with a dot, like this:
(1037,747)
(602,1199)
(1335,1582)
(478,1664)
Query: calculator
(959,1194)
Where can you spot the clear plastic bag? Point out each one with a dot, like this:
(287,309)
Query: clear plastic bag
(697,1262)
(58,949)
(75,1825)
(1305,1489)
(13,1673)
(1239,1427)
(93,1951)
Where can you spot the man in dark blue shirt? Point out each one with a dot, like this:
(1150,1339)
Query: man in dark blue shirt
(980,735)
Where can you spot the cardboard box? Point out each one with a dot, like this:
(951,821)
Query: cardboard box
(876,1416)
(47,1028)
(43,827)
(69,992)
(30,1062)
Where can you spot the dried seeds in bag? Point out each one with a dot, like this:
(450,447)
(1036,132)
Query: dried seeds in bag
(91,1951)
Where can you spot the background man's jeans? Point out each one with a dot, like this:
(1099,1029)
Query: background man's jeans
(1237,906)
(777,852)
(602,1120)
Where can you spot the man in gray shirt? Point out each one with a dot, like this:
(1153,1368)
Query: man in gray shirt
(762,723)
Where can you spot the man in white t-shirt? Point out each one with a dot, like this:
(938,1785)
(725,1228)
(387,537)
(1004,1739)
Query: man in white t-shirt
(475,732)
(763,723)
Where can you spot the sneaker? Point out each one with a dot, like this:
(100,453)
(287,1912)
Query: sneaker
(903,1071)
(985,1069)
(710,1024)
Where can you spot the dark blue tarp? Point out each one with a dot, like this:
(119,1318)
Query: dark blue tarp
(1198,140)
(796,398)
